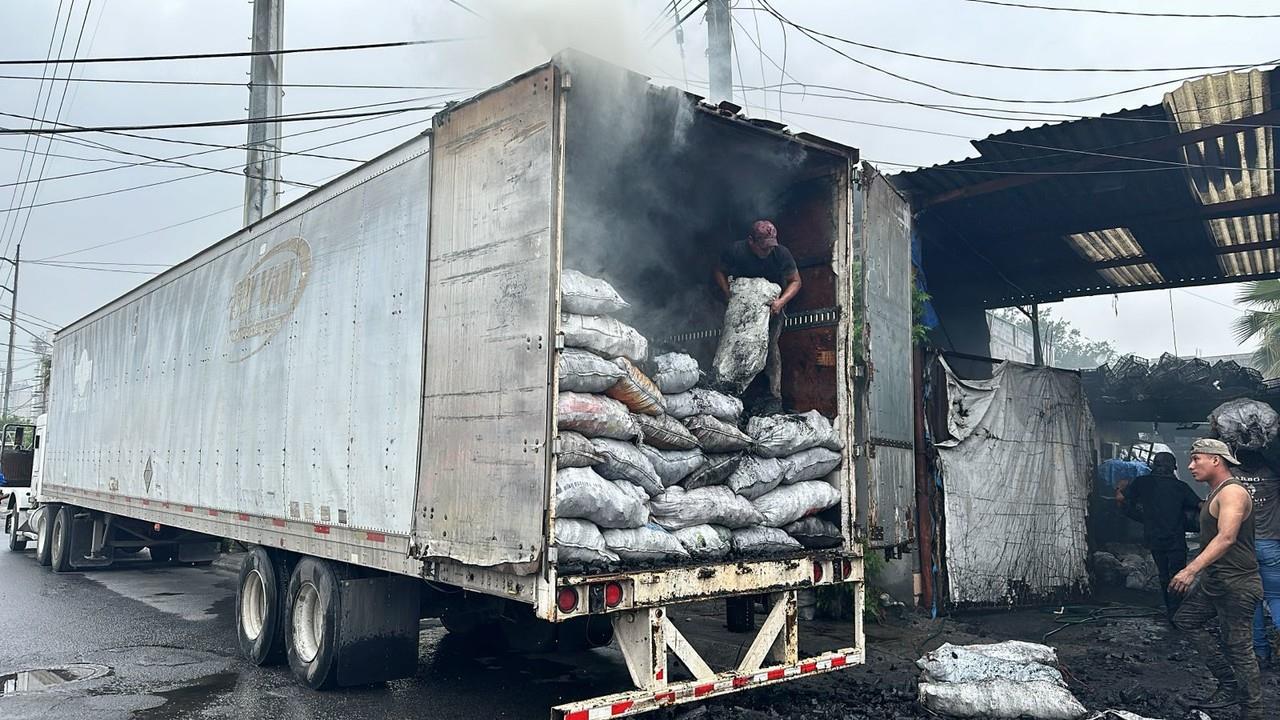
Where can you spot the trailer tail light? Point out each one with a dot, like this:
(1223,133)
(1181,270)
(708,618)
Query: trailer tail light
(567,600)
(817,571)
(846,569)
(612,595)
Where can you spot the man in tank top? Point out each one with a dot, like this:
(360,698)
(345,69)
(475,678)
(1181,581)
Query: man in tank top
(1229,587)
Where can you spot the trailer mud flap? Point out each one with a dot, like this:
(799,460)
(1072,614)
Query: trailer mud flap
(378,630)
(82,542)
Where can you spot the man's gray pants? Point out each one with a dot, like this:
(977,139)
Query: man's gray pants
(1229,656)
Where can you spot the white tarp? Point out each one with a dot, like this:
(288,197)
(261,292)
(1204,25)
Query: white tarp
(1016,479)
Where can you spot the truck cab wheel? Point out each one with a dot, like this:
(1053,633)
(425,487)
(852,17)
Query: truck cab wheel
(314,611)
(44,537)
(60,539)
(260,608)
(17,543)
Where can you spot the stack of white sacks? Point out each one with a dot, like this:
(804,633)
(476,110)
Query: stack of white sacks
(658,470)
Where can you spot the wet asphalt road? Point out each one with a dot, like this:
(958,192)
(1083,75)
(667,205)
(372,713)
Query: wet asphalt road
(166,636)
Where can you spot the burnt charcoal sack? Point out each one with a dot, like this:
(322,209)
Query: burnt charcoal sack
(603,335)
(579,543)
(717,436)
(784,435)
(577,451)
(812,464)
(583,494)
(715,505)
(705,542)
(716,469)
(815,533)
(676,373)
(763,541)
(665,433)
(744,341)
(703,401)
(595,416)
(624,461)
(789,503)
(636,391)
(650,543)
(673,466)
(585,295)
(586,372)
(756,476)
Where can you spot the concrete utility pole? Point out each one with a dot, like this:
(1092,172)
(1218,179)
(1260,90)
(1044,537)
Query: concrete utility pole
(719,51)
(13,323)
(266,99)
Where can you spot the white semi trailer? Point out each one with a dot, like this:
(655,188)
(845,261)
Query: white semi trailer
(361,387)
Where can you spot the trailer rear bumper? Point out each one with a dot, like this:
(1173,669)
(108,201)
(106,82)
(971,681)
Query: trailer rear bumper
(615,592)
(647,636)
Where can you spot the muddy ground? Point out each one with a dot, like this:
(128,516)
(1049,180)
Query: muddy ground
(1136,664)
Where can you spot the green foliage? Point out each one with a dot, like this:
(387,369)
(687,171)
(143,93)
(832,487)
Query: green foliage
(1261,322)
(836,601)
(919,333)
(1072,350)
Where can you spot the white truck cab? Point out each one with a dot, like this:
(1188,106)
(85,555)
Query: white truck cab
(21,457)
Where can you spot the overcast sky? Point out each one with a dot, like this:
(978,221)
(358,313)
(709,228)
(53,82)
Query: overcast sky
(512,36)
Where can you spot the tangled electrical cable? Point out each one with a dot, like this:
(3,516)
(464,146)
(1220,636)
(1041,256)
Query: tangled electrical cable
(1074,615)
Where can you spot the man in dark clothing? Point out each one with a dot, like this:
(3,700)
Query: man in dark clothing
(760,256)
(1160,501)
(1229,588)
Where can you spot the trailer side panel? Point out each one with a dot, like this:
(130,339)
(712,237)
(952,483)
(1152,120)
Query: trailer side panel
(276,374)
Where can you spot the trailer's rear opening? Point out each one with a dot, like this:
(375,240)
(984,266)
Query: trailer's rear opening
(655,189)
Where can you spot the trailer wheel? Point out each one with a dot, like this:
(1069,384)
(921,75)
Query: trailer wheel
(17,543)
(60,539)
(44,537)
(260,608)
(311,633)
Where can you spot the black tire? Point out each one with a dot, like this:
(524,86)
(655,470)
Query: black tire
(17,543)
(44,538)
(260,607)
(60,537)
(314,612)
(163,553)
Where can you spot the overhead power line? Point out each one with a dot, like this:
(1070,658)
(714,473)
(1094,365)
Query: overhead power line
(250,53)
(1134,13)
(231,83)
(195,175)
(818,37)
(217,123)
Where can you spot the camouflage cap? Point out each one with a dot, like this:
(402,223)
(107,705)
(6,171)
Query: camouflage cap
(1209,446)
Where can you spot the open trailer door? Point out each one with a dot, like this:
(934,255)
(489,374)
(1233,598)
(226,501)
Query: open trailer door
(885,463)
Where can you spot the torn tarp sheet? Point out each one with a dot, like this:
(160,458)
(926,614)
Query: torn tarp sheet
(1016,478)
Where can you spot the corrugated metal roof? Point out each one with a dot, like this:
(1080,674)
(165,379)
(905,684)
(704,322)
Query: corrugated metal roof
(1057,210)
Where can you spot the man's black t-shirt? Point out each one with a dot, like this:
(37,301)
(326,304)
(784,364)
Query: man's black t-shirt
(1158,502)
(737,260)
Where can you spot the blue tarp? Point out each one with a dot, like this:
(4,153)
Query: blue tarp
(1112,471)
(928,317)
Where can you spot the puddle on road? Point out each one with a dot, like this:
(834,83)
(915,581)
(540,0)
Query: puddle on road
(39,679)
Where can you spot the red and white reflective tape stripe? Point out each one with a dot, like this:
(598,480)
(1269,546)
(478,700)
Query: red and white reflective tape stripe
(601,713)
(693,691)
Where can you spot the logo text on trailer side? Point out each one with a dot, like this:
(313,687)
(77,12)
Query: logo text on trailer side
(262,301)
